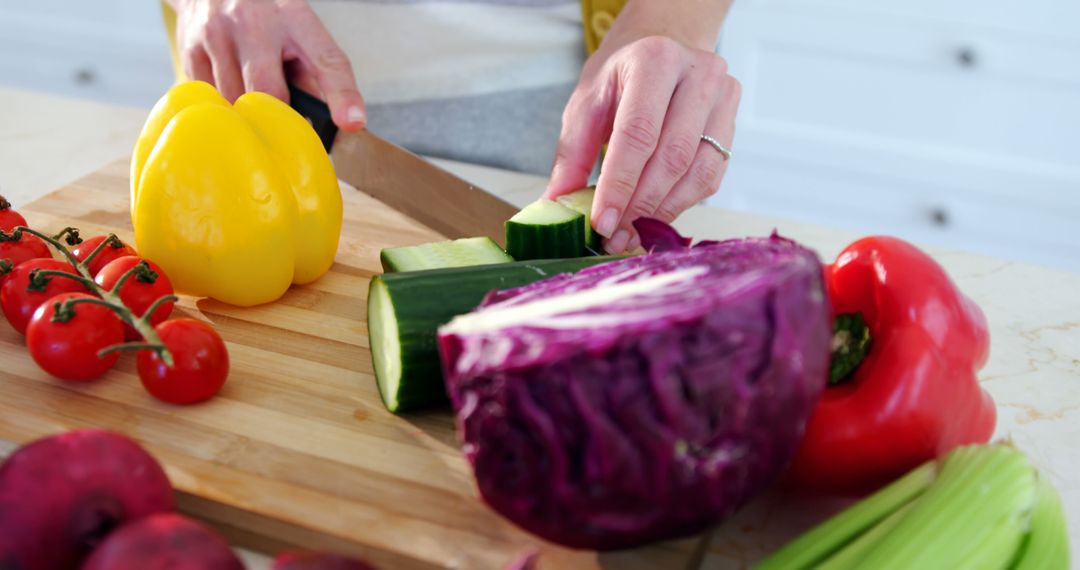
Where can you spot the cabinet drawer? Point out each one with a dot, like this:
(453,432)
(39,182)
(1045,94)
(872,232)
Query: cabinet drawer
(1043,18)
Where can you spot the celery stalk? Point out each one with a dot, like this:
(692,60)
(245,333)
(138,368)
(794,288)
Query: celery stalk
(848,557)
(824,540)
(1047,543)
(977,508)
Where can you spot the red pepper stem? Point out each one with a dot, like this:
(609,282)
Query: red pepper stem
(4,204)
(850,345)
(112,298)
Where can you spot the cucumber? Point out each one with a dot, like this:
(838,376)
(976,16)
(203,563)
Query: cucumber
(406,309)
(581,201)
(442,254)
(545,230)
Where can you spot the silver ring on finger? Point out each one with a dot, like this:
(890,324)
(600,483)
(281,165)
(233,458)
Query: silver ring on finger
(723,150)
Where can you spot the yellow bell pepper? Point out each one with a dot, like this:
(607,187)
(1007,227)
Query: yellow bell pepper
(234,202)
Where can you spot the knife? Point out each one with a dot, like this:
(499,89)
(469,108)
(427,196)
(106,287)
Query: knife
(403,180)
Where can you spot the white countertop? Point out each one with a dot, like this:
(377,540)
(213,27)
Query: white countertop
(1034,313)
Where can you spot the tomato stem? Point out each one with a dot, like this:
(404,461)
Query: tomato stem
(158,348)
(850,345)
(109,298)
(141,271)
(112,240)
(70,235)
(38,281)
(4,204)
(5,267)
(157,303)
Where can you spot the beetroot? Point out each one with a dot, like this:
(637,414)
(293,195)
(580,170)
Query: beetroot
(60,496)
(165,541)
(317,561)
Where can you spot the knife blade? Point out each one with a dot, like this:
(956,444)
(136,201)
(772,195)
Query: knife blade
(404,181)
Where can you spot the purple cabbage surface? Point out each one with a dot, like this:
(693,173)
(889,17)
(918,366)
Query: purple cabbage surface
(654,413)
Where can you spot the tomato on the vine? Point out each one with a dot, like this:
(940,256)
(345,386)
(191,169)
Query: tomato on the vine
(107,254)
(19,297)
(9,219)
(140,290)
(25,248)
(200,363)
(66,345)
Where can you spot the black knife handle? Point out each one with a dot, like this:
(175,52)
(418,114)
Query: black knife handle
(316,111)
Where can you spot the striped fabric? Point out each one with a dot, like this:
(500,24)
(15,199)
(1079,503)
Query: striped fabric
(482,81)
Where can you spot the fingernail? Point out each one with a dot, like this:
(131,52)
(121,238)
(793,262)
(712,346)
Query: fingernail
(355,115)
(617,243)
(606,224)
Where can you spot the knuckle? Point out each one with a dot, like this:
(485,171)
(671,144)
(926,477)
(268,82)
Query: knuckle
(660,49)
(216,28)
(622,185)
(644,205)
(677,156)
(706,174)
(640,133)
(666,212)
(332,59)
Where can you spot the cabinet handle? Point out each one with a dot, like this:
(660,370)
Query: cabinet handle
(85,76)
(939,217)
(966,57)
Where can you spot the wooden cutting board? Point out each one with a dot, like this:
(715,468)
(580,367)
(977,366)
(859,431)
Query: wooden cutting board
(297,450)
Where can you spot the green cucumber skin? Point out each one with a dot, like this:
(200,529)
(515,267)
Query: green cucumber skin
(425,300)
(581,201)
(525,242)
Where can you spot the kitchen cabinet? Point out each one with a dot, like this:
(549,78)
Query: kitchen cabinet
(107,50)
(954,123)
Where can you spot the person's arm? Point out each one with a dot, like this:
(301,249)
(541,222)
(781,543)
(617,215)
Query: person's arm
(651,90)
(252,45)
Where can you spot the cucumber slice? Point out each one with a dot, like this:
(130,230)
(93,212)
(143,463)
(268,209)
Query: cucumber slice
(442,254)
(406,309)
(581,201)
(545,230)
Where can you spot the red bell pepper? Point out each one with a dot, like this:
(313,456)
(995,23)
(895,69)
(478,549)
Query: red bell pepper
(903,388)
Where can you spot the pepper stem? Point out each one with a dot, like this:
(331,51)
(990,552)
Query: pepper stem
(4,204)
(850,345)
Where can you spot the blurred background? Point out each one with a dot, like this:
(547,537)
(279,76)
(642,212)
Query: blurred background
(948,122)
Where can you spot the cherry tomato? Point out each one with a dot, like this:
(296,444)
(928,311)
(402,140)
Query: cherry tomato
(68,349)
(109,253)
(9,219)
(138,293)
(25,248)
(19,303)
(200,363)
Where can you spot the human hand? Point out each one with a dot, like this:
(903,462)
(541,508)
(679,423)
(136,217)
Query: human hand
(652,98)
(250,45)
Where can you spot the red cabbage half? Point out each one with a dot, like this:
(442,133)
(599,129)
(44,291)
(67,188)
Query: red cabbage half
(641,399)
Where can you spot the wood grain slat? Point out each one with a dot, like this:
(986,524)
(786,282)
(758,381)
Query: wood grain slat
(297,450)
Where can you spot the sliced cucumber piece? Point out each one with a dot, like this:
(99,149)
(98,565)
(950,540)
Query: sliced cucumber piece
(406,309)
(442,254)
(545,230)
(581,201)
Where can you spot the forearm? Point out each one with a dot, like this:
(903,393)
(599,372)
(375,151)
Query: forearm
(693,23)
